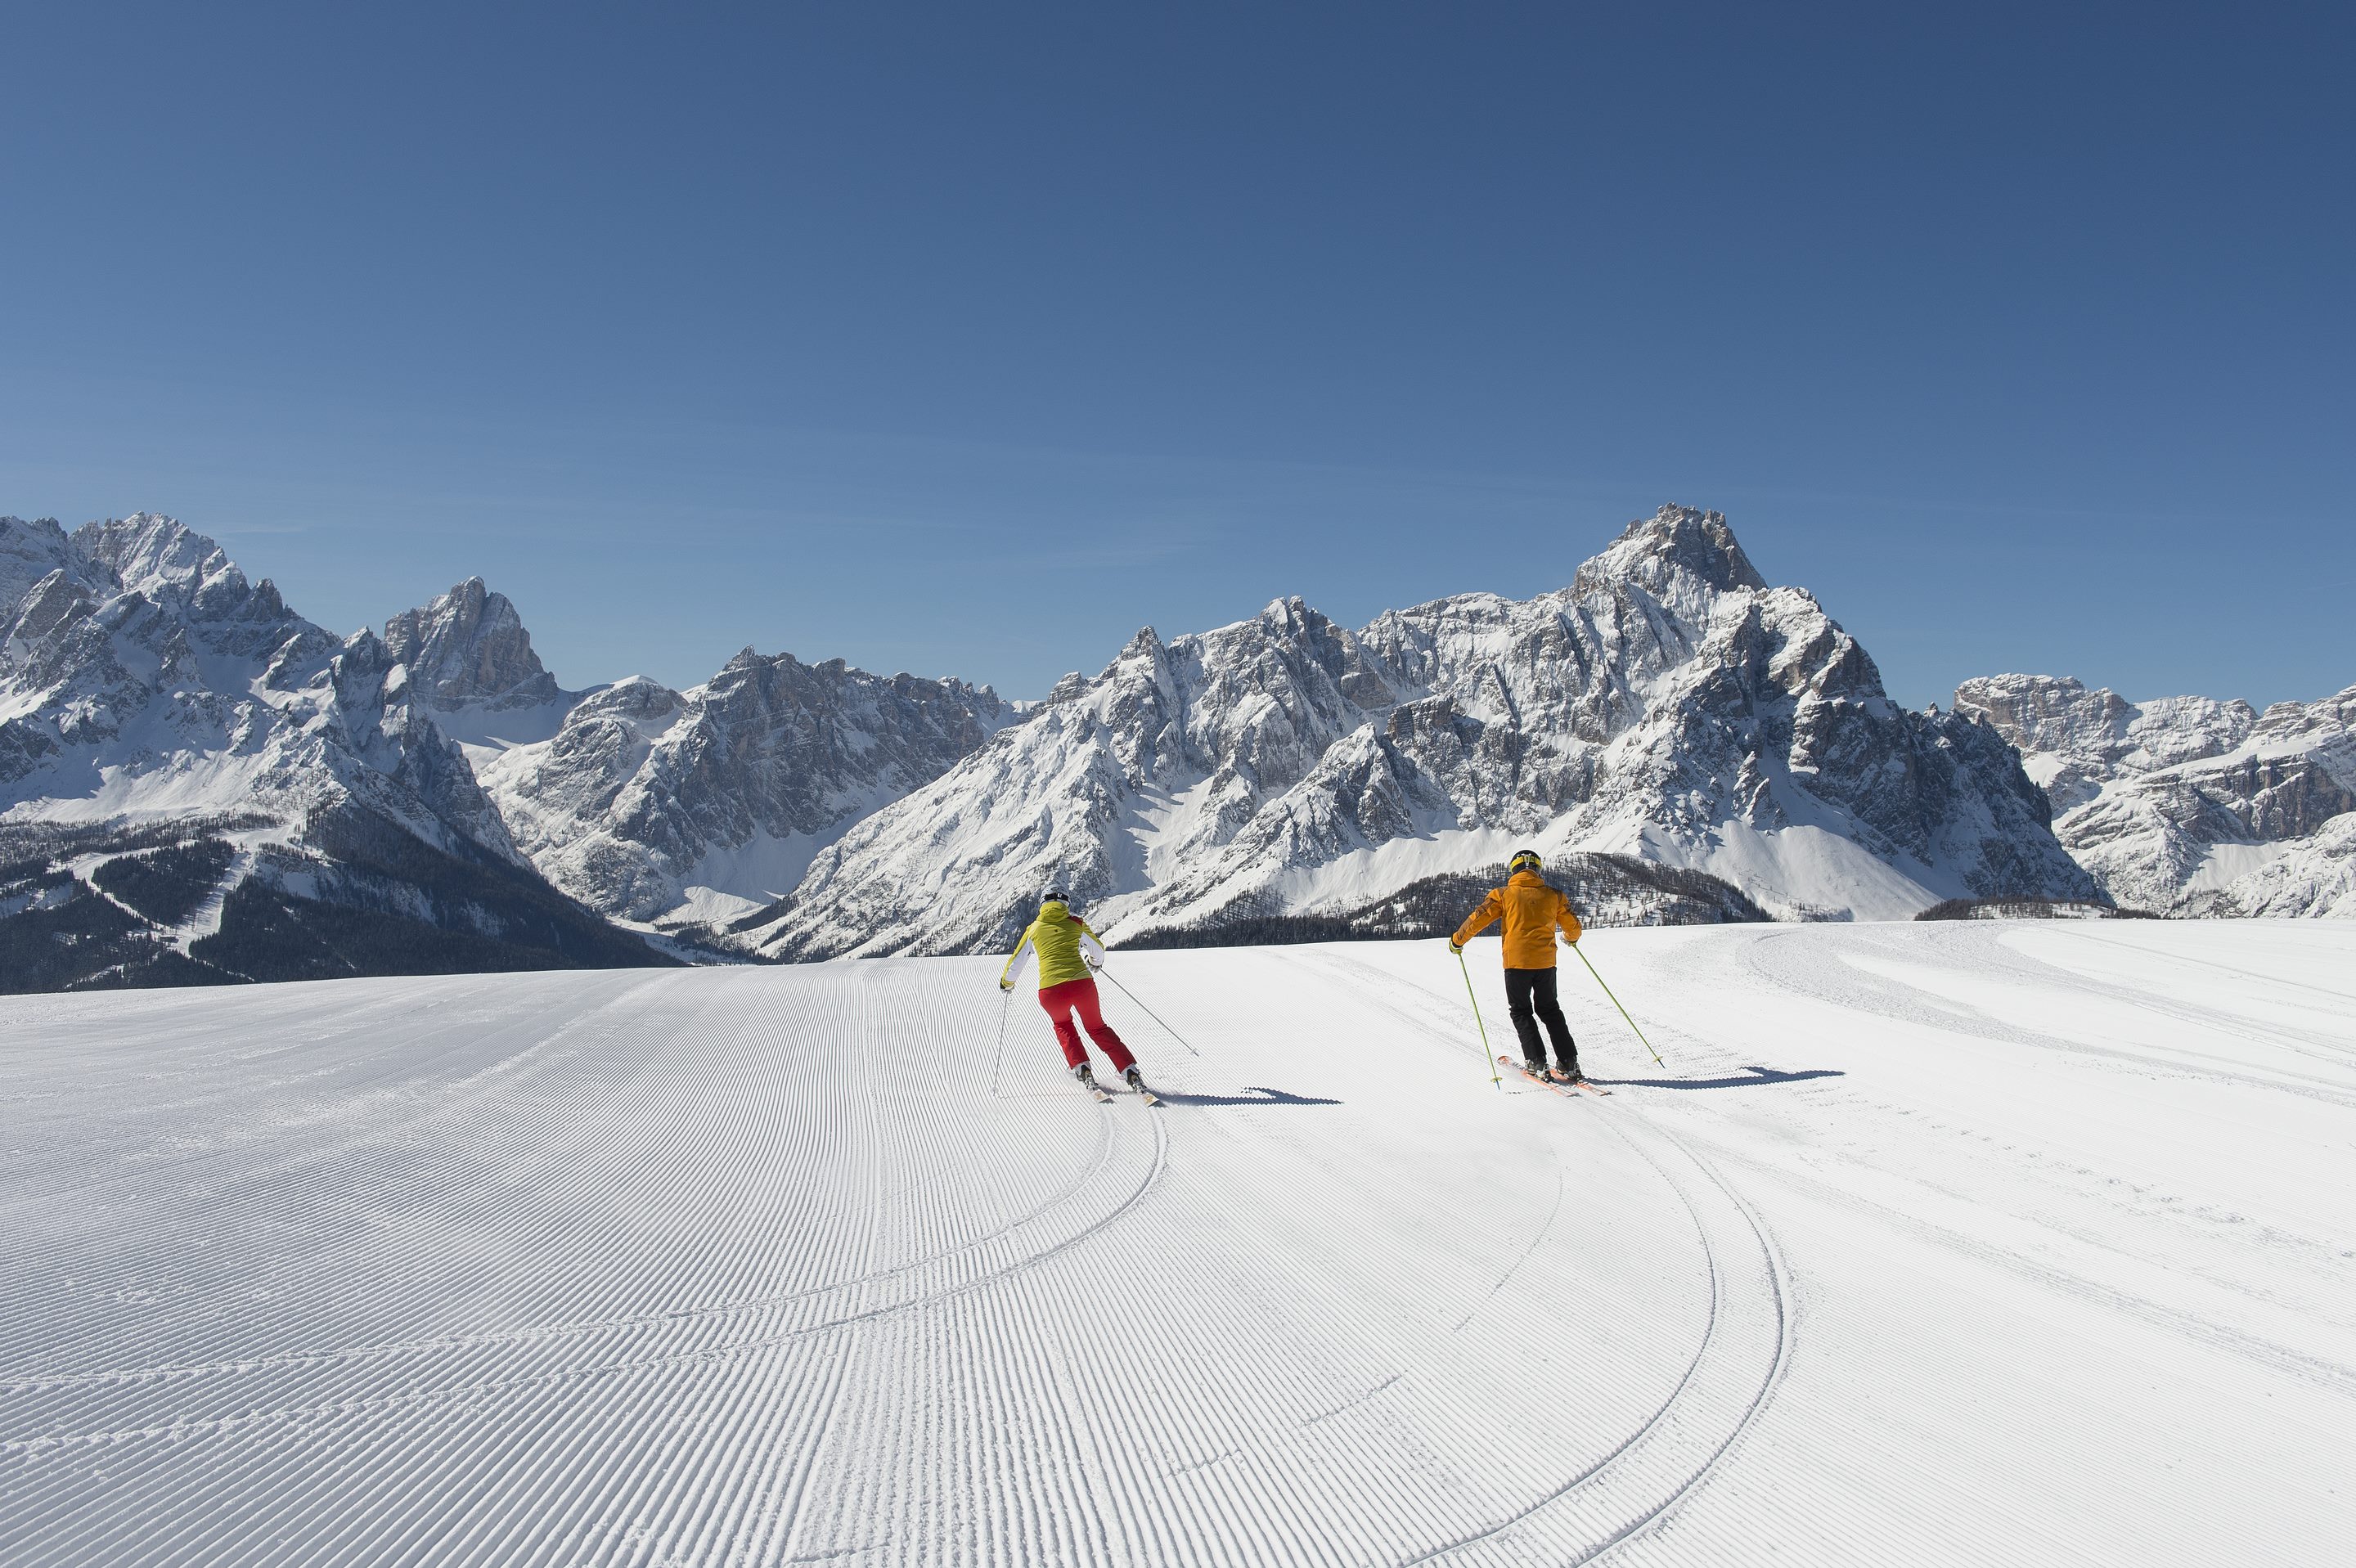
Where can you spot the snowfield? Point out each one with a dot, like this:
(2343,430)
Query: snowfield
(1977,1243)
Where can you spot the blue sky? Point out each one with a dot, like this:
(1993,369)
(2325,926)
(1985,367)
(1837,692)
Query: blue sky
(967,339)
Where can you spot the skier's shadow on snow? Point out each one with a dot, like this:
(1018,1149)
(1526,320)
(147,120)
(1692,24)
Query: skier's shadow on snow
(1759,1075)
(1252,1095)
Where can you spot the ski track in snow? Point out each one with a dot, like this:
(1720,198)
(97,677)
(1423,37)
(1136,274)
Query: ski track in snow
(1978,1242)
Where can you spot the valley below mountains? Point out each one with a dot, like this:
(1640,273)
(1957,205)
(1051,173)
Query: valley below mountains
(200,787)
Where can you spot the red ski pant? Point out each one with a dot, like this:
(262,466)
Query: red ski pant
(1080,995)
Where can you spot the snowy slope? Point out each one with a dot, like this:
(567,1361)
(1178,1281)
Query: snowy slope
(1933,1243)
(2188,806)
(1668,704)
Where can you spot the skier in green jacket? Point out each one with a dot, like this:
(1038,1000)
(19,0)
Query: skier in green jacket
(1070,955)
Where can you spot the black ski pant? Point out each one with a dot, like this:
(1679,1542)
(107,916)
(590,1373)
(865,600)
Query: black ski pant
(1529,996)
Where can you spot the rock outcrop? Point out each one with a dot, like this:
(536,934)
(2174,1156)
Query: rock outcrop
(2188,806)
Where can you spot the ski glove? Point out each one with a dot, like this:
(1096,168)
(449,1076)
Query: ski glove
(1457,948)
(1005,987)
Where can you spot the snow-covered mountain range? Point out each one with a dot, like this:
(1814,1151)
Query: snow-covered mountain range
(655,805)
(2188,806)
(1668,704)
(671,807)
(272,797)
(196,783)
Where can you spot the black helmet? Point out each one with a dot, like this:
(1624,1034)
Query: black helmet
(1524,860)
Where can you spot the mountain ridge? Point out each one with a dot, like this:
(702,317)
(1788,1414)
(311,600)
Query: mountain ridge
(163,718)
(154,703)
(2190,805)
(1669,703)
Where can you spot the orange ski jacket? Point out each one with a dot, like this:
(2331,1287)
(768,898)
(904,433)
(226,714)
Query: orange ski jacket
(1531,910)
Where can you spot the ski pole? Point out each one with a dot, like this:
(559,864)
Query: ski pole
(1485,1051)
(1148,1012)
(1615,1002)
(998,1058)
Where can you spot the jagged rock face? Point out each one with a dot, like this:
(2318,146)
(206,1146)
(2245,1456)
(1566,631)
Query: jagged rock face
(198,784)
(144,681)
(469,649)
(2188,806)
(2072,742)
(649,803)
(143,675)
(1669,703)
(29,552)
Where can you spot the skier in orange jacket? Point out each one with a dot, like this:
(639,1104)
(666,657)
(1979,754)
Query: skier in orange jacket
(1532,912)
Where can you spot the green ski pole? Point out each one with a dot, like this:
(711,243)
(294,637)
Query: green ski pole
(1615,1002)
(1489,1055)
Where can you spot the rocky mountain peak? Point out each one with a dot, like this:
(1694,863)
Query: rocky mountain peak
(30,551)
(1674,547)
(157,556)
(1070,685)
(1145,651)
(468,648)
(1289,616)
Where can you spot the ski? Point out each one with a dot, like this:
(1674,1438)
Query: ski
(1523,1068)
(1098,1091)
(1148,1095)
(1564,1088)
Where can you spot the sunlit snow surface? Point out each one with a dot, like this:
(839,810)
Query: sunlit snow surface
(1933,1243)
